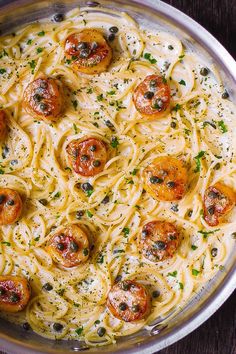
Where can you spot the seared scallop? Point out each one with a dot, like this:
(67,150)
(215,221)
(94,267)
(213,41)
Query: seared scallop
(159,240)
(14,293)
(3,124)
(129,301)
(87,157)
(152,97)
(10,206)
(69,247)
(43,99)
(166,178)
(88,51)
(219,200)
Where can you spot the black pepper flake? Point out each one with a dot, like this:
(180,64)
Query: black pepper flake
(211,210)
(79,214)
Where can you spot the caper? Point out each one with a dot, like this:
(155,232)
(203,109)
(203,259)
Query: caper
(225,95)
(82,45)
(173,125)
(170,184)
(74,246)
(57,326)
(211,210)
(94,45)
(47,287)
(43,106)
(170,47)
(213,194)
(101,331)
(14,162)
(93,148)
(125,286)
(114,29)
(122,306)
(96,163)
(204,71)
(86,186)
(37,97)
(214,252)
(14,297)
(155,180)
(84,53)
(58,17)
(43,201)
(144,233)
(26,326)
(79,214)
(10,202)
(85,252)
(148,95)
(84,158)
(160,245)
(2,291)
(155,294)
(60,246)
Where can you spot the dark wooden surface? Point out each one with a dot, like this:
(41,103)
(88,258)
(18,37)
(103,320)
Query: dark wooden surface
(218,334)
(217,16)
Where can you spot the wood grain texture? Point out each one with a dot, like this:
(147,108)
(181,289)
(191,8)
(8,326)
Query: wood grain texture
(218,334)
(217,16)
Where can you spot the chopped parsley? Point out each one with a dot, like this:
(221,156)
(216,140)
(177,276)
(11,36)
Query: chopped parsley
(57,195)
(126,231)
(89,214)
(150,58)
(75,128)
(2,71)
(79,330)
(32,65)
(181,285)
(114,142)
(100,97)
(111,93)
(193,247)
(182,82)
(41,34)
(100,258)
(207,233)
(195,272)
(89,192)
(134,172)
(6,243)
(174,274)
(198,161)
(75,104)
(222,126)
(39,50)
(29,42)
(176,107)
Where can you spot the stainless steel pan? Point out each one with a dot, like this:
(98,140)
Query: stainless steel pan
(156,14)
